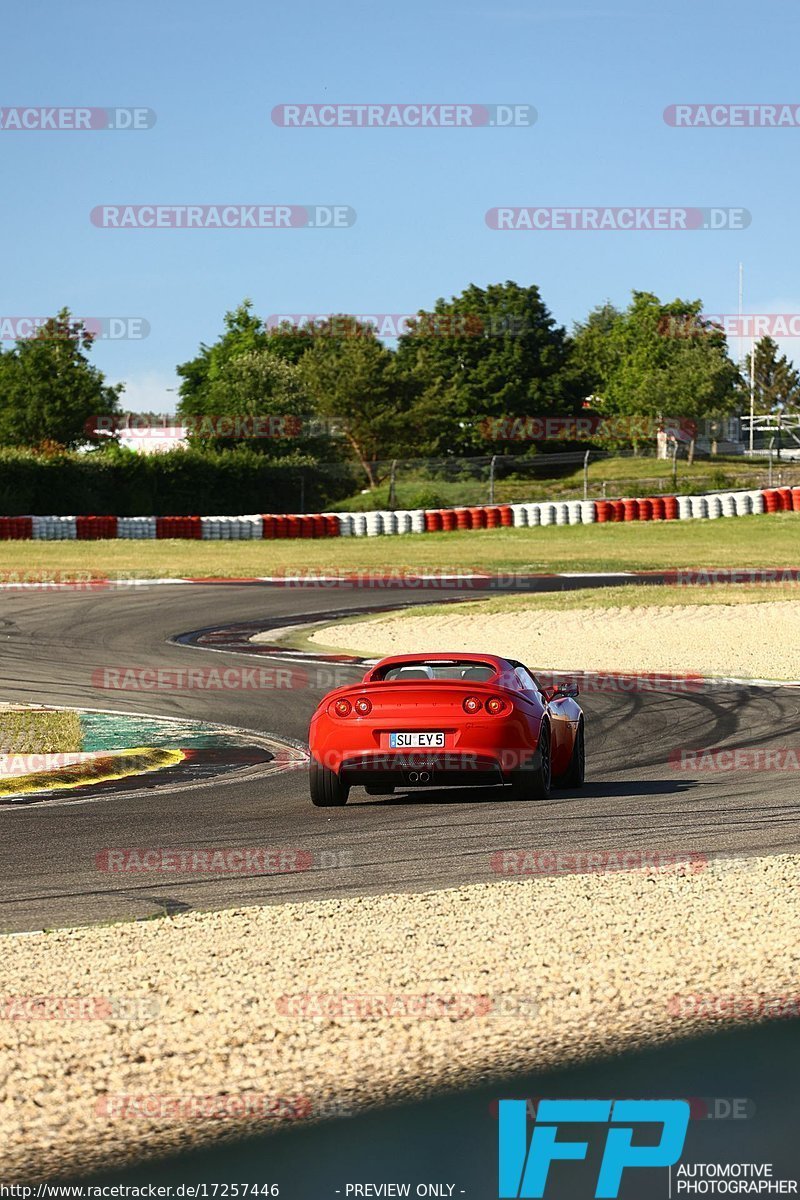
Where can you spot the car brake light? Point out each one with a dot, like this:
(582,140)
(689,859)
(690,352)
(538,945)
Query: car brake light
(363,706)
(342,708)
(495,705)
(472,704)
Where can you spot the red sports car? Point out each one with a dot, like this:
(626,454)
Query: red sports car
(439,720)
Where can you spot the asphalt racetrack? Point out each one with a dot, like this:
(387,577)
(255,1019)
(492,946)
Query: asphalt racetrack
(53,642)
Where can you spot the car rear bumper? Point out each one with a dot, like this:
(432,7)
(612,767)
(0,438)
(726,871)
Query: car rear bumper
(431,768)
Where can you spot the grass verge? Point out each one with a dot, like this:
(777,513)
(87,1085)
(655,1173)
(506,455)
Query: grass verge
(34,731)
(728,542)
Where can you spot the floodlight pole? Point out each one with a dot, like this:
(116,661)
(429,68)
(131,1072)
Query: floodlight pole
(752,391)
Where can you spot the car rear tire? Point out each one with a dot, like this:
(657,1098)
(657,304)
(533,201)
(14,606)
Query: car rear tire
(576,771)
(379,791)
(327,789)
(534,783)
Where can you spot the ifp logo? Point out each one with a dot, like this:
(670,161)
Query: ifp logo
(524,1168)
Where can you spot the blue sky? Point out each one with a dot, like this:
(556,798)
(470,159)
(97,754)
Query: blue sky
(598,75)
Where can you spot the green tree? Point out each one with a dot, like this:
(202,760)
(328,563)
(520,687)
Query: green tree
(354,384)
(489,353)
(776,382)
(657,360)
(49,391)
(266,403)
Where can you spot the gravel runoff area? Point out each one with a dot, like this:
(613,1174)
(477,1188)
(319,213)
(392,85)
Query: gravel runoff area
(300,1008)
(759,641)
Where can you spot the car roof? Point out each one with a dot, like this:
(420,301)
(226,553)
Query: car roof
(494,660)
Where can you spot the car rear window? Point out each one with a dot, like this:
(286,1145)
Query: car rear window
(438,669)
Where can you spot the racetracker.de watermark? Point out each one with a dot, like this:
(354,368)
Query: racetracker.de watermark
(733,116)
(223,216)
(758,576)
(276,426)
(27,118)
(701,1108)
(422,1006)
(591,425)
(202,679)
(595,862)
(734,1005)
(79,1008)
(732,325)
(602,219)
(104,329)
(56,581)
(230,860)
(225,1107)
(396,325)
(741,758)
(403,116)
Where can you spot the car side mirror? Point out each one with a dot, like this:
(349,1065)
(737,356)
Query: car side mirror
(560,692)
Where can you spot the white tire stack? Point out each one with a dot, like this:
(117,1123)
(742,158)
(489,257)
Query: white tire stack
(54,529)
(374,524)
(136,528)
(345,523)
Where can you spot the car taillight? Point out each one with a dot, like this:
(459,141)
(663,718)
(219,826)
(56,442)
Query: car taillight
(342,708)
(363,706)
(472,704)
(495,705)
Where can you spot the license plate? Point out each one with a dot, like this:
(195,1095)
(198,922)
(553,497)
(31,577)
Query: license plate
(416,741)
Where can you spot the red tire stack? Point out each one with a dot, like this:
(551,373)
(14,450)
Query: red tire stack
(506,515)
(659,509)
(433,520)
(605,511)
(178,527)
(463,518)
(492,516)
(332,526)
(15,528)
(619,510)
(630,510)
(478,516)
(772,500)
(280,526)
(449,522)
(785,495)
(796,499)
(671,510)
(92,528)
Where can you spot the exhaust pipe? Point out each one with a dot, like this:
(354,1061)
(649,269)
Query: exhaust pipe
(424,777)
(412,776)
